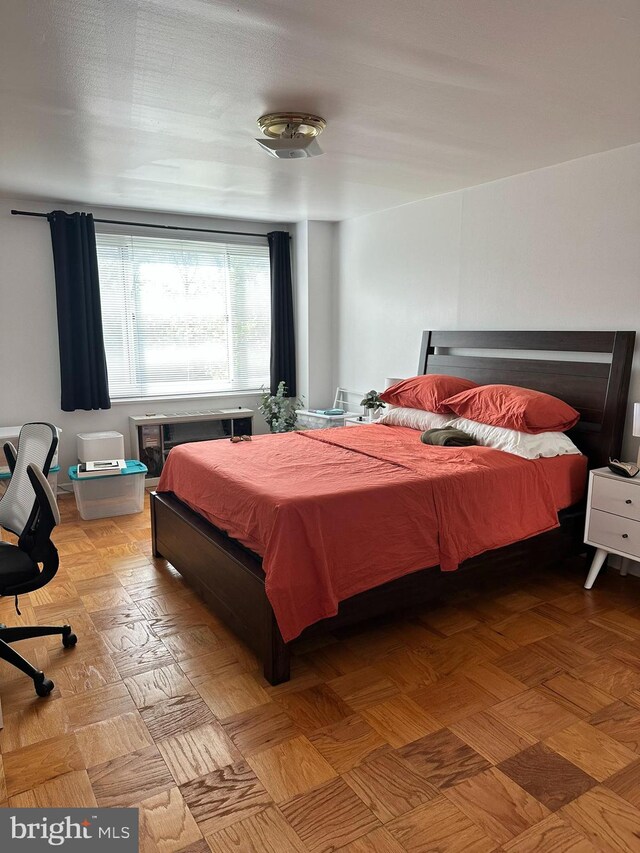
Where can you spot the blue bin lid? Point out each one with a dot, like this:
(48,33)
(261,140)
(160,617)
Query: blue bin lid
(133,467)
(6,475)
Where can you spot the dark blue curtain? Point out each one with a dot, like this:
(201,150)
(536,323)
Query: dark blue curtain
(283,342)
(83,365)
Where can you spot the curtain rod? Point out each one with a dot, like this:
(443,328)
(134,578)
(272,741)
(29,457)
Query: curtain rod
(150,225)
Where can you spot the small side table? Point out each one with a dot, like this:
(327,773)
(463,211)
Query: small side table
(613,519)
(357,420)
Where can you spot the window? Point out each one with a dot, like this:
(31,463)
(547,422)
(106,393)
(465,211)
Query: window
(184,317)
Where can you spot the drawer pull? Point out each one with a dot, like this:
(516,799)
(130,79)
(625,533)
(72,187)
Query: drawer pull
(625,535)
(628,501)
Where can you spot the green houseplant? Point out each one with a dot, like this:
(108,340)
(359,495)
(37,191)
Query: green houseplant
(372,402)
(279,410)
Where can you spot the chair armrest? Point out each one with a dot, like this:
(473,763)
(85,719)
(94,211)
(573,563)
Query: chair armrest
(36,539)
(11,455)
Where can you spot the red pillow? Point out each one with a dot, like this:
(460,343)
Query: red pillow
(514,408)
(426,392)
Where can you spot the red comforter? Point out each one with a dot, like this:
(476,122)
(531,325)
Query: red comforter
(336,512)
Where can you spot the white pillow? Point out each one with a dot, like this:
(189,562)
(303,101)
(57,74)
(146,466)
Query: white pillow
(519,443)
(414,418)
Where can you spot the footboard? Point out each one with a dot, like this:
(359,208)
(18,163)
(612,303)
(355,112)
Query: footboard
(225,575)
(231,581)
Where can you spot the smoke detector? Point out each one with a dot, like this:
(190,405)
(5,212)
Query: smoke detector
(291,136)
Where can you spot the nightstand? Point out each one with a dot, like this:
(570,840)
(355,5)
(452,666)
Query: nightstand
(613,519)
(357,420)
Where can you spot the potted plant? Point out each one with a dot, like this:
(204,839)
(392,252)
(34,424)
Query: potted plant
(279,410)
(372,403)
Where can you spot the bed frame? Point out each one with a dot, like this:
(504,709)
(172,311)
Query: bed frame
(589,370)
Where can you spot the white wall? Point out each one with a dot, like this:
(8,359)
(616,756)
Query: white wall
(300,255)
(29,364)
(557,248)
(315,282)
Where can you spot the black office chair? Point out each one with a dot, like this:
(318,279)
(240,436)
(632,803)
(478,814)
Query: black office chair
(29,510)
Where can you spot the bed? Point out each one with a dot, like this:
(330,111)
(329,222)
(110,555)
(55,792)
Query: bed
(589,370)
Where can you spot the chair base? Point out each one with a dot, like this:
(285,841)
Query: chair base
(43,685)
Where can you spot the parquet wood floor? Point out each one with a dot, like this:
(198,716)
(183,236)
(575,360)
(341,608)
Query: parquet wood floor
(506,718)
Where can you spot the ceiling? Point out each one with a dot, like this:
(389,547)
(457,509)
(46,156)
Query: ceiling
(153,103)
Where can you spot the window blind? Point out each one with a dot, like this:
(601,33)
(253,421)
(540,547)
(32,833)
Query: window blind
(183,317)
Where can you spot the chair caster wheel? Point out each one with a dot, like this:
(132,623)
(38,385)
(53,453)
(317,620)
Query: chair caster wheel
(69,640)
(44,687)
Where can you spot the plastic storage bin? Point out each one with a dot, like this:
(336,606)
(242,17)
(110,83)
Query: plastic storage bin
(314,420)
(115,494)
(5,476)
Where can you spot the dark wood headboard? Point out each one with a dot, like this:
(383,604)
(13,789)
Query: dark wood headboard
(596,388)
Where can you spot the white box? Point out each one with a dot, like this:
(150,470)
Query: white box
(115,494)
(92,446)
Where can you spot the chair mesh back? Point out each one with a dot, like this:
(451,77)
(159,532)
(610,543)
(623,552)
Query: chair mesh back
(17,504)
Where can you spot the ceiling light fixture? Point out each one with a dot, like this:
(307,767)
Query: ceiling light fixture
(291,136)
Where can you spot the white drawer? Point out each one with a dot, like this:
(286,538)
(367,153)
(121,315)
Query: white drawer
(614,532)
(616,496)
